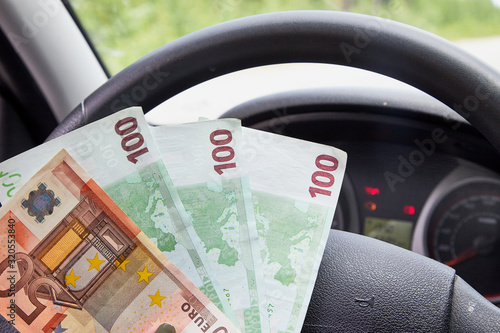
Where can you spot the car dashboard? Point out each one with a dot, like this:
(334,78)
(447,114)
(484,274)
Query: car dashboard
(418,176)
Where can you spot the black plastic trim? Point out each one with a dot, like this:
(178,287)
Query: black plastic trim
(21,91)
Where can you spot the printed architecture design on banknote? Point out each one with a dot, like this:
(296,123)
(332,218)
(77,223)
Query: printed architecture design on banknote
(79,263)
(119,153)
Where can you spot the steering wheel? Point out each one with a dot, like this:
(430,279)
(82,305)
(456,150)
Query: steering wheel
(363,284)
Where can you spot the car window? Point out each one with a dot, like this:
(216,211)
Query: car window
(123,31)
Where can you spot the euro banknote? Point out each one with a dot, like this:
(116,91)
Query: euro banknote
(118,152)
(208,172)
(295,187)
(72,260)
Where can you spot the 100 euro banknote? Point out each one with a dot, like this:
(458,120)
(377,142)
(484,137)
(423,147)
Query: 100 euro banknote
(72,260)
(295,186)
(118,152)
(208,172)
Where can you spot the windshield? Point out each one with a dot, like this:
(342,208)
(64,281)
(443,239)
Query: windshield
(124,31)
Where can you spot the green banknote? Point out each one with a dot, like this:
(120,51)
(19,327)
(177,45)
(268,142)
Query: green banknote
(295,187)
(207,169)
(118,152)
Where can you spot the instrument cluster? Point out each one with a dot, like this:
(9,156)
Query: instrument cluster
(450,213)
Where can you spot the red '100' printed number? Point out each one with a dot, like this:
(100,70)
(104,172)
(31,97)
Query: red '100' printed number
(222,153)
(132,141)
(322,178)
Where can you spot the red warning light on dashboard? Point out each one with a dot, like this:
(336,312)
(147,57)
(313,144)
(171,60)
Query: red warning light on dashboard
(409,210)
(369,205)
(372,190)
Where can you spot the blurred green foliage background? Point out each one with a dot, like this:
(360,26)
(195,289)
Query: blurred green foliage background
(125,30)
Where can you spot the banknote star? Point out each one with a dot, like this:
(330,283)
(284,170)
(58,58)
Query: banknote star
(71,278)
(123,265)
(59,329)
(95,263)
(144,275)
(156,298)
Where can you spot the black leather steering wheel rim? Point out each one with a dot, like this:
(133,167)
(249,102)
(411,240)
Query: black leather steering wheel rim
(423,60)
(418,58)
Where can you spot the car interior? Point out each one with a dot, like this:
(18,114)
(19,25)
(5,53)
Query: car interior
(415,240)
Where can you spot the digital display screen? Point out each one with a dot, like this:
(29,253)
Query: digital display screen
(391,231)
